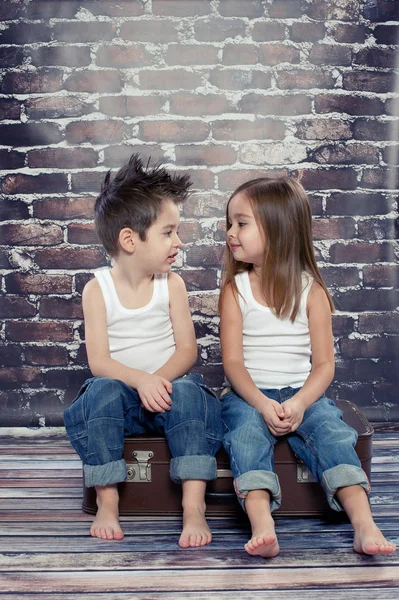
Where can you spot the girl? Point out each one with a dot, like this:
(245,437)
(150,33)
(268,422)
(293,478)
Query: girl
(275,314)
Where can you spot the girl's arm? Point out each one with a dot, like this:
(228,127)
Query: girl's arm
(322,344)
(234,367)
(183,329)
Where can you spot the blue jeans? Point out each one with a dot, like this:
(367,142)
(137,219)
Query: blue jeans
(106,410)
(322,441)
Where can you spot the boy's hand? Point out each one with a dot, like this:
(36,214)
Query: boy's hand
(154,393)
(274,417)
(293,412)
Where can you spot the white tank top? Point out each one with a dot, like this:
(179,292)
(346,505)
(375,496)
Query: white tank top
(276,351)
(141,338)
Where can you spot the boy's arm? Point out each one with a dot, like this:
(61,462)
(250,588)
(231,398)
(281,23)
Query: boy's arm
(152,389)
(186,346)
(234,367)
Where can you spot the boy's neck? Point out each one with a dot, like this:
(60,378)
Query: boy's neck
(124,270)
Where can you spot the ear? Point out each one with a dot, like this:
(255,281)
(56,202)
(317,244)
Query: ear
(126,239)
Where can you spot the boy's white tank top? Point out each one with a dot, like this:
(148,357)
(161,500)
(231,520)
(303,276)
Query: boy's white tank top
(276,351)
(141,338)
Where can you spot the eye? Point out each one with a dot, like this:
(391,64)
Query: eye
(240,224)
(168,233)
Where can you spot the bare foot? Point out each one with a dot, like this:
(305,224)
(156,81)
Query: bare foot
(106,523)
(263,541)
(195,528)
(369,540)
(265,545)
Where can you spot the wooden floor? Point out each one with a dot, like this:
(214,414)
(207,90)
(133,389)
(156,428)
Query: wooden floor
(46,552)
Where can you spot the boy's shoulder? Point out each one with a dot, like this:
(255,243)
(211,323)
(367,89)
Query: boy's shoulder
(91,290)
(176,284)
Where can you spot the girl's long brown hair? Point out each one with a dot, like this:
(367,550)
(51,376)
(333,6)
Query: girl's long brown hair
(283,215)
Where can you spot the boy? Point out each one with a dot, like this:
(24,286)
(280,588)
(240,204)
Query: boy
(140,343)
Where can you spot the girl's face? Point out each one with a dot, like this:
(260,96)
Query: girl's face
(244,237)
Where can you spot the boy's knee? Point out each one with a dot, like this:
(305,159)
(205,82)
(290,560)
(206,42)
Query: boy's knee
(104,397)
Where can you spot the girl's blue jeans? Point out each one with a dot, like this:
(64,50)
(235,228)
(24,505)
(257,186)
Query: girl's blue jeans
(322,441)
(107,410)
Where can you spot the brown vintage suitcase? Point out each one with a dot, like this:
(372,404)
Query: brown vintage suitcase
(148,490)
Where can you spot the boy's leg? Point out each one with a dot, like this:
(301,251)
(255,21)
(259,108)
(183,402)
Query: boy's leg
(250,446)
(193,431)
(96,423)
(327,446)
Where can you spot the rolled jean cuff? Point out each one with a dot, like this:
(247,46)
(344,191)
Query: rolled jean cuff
(339,477)
(193,467)
(258,480)
(108,474)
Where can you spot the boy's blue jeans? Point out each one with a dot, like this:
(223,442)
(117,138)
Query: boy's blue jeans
(107,410)
(322,441)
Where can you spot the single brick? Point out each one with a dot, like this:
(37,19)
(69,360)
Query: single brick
(10,355)
(286,9)
(157,31)
(371,129)
(46,355)
(376,57)
(340,276)
(11,10)
(307,32)
(10,56)
(376,347)
(205,155)
(64,208)
(386,34)
(324,179)
(303,79)
(343,325)
(61,308)
(181,8)
(121,57)
(131,106)
(31,331)
(366,300)
(45,10)
(169,79)
(332,229)
(200,280)
(4,261)
(268,32)
(94,81)
(275,54)
(80,32)
(116,156)
(81,279)
(31,235)
(229,180)
(199,105)
(66,379)
(12,307)
(204,256)
(368,81)
(63,158)
(202,179)
(13,209)
(297,104)
(350,104)
(82,233)
(70,258)
(272,154)
(10,159)
(69,56)
(173,131)
(34,184)
(16,375)
(204,205)
(321,129)
(9,109)
(378,229)
(30,134)
(218,30)
(236,8)
(25,33)
(347,10)
(349,34)
(87,181)
(380,178)
(56,107)
(361,252)
(97,132)
(346,154)
(358,204)
(381,276)
(363,369)
(235,79)
(390,155)
(189,231)
(248,130)
(329,54)
(38,283)
(41,81)
(191,54)
(117,8)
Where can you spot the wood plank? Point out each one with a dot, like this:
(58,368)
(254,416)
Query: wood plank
(338,594)
(172,580)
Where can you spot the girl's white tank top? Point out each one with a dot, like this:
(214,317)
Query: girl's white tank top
(141,338)
(276,351)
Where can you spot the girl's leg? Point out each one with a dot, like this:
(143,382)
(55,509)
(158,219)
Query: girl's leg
(327,446)
(250,446)
(193,431)
(96,424)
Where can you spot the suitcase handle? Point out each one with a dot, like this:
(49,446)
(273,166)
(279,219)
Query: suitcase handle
(220,498)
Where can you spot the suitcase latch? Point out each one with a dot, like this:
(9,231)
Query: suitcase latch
(303,475)
(140,472)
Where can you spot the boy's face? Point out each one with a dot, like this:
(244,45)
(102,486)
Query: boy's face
(158,251)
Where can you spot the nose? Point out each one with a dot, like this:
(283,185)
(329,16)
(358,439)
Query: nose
(177,242)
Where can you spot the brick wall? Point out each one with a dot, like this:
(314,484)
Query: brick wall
(224,90)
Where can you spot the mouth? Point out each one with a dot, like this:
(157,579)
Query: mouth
(172,257)
(234,247)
